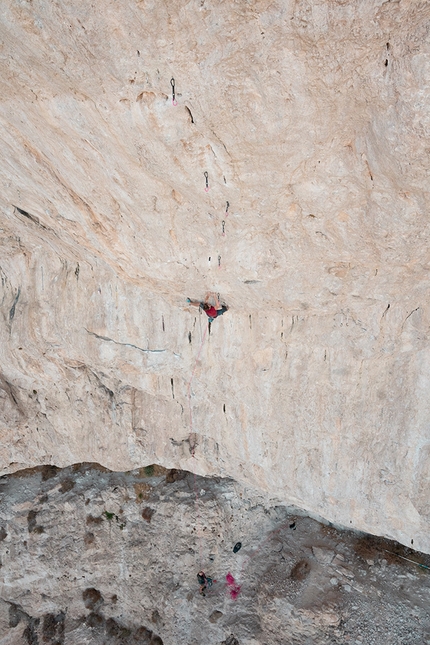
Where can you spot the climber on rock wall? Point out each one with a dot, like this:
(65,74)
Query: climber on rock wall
(212,311)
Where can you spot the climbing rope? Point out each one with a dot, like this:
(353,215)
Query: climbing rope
(419,564)
(189,390)
(192,437)
(192,443)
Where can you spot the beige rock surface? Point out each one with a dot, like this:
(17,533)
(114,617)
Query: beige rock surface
(311,119)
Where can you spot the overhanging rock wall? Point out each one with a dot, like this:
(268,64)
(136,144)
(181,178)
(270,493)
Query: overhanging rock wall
(311,120)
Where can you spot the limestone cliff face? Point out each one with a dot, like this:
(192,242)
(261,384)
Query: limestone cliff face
(312,122)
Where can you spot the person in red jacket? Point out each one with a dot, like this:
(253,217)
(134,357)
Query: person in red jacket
(212,311)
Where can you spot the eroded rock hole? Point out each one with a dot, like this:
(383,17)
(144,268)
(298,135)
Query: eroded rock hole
(92,598)
(147,513)
(300,570)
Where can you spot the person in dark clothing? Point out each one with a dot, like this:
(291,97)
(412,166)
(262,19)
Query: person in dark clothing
(212,311)
(204,582)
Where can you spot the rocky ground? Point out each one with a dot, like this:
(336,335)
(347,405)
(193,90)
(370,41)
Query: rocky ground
(93,556)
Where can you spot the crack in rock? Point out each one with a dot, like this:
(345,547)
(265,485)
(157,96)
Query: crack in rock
(111,340)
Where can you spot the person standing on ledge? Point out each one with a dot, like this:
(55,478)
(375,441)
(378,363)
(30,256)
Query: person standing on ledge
(212,311)
(204,582)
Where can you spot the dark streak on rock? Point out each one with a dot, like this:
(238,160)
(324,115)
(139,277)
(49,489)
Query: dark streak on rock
(12,309)
(32,218)
(189,113)
(409,315)
(385,312)
(102,386)
(223,145)
(10,391)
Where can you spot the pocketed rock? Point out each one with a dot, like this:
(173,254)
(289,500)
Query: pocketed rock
(135,581)
(308,124)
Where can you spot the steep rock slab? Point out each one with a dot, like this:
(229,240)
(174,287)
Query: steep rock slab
(311,121)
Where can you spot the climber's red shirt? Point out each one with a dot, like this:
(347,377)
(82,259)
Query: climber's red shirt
(211,312)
